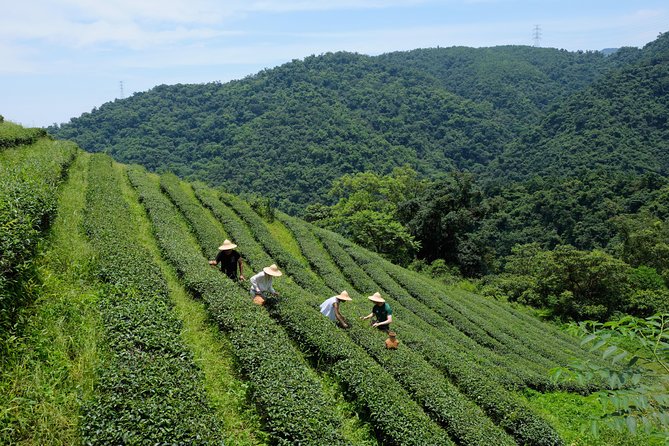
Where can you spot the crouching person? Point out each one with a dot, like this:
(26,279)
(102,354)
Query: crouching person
(261,284)
(330,308)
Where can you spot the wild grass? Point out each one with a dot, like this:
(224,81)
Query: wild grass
(54,351)
(569,413)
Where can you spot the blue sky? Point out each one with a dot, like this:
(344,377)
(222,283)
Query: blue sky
(61,58)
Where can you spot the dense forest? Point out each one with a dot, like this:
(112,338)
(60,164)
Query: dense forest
(288,132)
(461,161)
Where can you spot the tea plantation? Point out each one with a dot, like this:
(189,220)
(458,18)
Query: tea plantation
(114,329)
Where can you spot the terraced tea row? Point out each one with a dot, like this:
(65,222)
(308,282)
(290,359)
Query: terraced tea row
(149,390)
(29,179)
(287,391)
(414,371)
(12,135)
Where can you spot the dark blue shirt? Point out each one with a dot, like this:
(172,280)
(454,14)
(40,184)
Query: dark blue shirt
(382,311)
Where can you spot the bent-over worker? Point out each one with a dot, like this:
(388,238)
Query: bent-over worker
(261,284)
(381,311)
(330,308)
(229,260)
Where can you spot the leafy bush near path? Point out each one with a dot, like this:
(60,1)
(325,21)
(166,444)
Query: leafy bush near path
(29,178)
(150,390)
(288,393)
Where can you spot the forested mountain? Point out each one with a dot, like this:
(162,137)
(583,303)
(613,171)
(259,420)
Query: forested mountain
(499,146)
(617,124)
(288,132)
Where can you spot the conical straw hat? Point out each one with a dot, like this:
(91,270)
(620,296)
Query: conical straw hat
(272,270)
(344,296)
(227,244)
(376,297)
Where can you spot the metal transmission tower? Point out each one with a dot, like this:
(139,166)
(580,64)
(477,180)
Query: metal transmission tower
(121,85)
(536,36)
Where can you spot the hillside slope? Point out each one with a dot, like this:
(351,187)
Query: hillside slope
(618,124)
(457,378)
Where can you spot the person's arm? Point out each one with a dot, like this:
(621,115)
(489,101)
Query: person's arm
(217,259)
(339,317)
(368,316)
(386,322)
(241,269)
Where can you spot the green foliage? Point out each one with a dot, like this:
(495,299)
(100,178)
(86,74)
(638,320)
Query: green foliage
(366,211)
(150,389)
(443,218)
(567,412)
(573,284)
(288,133)
(644,237)
(617,122)
(29,180)
(638,398)
(12,135)
(288,394)
(263,207)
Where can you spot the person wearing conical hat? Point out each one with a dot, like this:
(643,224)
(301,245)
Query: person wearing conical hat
(330,308)
(229,260)
(381,312)
(261,284)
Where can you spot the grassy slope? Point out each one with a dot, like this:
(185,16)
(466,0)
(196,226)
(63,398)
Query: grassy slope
(51,368)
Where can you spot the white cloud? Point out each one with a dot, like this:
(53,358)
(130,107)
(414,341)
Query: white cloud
(324,5)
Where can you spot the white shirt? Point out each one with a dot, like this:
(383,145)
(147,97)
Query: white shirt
(327,308)
(262,282)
